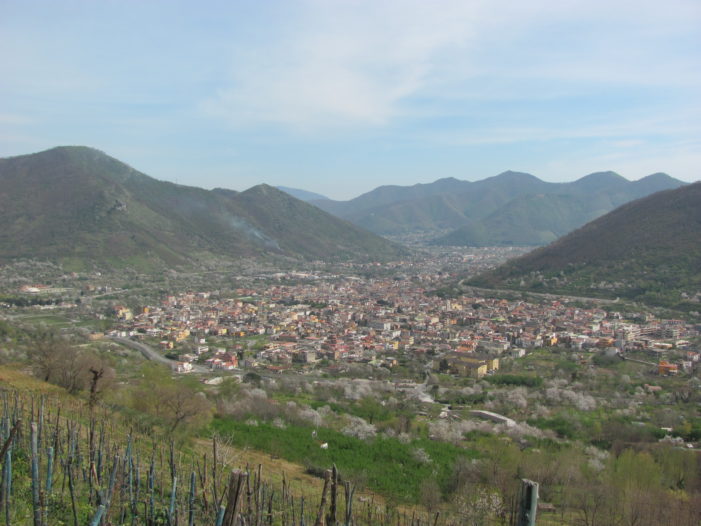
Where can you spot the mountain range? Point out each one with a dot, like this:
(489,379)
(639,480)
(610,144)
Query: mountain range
(647,250)
(78,205)
(303,195)
(512,208)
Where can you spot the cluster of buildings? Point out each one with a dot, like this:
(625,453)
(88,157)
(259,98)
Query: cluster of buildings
(319,322)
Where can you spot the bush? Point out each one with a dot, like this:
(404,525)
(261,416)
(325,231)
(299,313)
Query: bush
(515,379)
(564,427)
(602,360)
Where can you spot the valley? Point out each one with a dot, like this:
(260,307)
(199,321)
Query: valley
(372,368)
(350,263)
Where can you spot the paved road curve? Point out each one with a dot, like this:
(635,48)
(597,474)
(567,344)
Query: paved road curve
(150,354)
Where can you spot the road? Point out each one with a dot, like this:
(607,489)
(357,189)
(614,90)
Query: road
(545,295)
(422,389)
(155,356)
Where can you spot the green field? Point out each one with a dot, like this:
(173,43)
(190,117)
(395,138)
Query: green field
(385,465)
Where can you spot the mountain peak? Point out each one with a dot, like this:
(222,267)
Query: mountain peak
(606,177)
(78,162)
(80,206)
(511,175)
(511,178)
(657,176)
(75,149)
(264,189)
(656,182)
(63,152)
(448,180)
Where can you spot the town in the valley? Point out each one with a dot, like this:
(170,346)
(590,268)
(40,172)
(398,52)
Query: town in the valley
(321,322)
(402,353)
(385,316)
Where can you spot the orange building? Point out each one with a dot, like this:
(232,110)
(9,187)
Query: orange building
(666,368)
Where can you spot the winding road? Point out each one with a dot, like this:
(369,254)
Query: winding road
(150,354)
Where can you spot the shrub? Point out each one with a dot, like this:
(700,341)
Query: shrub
(515,379)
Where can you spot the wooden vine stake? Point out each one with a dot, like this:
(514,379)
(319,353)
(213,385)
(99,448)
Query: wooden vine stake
(237,484)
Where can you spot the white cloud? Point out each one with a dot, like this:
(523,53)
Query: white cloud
(343,63)
(421,85)
(359,62)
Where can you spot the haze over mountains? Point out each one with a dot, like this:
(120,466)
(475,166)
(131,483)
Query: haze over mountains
(512,208)
(78,205)
(648,250)
(303,195)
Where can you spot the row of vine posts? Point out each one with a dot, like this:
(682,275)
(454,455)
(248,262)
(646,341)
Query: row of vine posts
(76,466)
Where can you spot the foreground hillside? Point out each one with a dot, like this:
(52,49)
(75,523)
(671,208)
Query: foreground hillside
(64,462)
(591,428)
(512,208)
(79,206)
(648,250)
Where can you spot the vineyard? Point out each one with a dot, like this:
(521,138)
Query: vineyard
(66,463)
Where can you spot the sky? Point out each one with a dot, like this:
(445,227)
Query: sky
(341,96)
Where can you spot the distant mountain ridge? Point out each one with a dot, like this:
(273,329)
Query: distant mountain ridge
(512,208)
(648,250)
(79,205)
(302,195)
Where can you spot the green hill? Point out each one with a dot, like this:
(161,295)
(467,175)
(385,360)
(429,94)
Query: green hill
(79,206)
(647,250)
(512,208)
(532,219)
(285,223)
(526,221)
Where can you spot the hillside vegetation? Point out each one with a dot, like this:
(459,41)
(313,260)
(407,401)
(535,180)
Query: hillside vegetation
(65,463)
(602,444)
(81,207)
(648,250)
(512,208)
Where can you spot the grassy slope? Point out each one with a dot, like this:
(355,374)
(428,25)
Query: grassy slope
(234,451)
(14,377)
(388,466)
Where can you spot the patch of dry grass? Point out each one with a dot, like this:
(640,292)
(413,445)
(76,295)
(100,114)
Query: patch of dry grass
(15,377)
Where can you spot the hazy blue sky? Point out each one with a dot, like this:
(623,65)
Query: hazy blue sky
(341,96)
